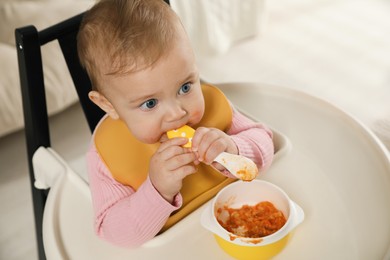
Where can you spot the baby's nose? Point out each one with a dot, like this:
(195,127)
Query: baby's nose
(175,112)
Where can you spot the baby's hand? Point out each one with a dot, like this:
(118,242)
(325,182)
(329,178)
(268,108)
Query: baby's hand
(169,165)
(208,143)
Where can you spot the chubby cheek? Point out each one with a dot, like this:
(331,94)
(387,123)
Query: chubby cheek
(145,132)
(197,116)
(197,112)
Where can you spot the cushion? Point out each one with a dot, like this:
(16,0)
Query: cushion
(60,92)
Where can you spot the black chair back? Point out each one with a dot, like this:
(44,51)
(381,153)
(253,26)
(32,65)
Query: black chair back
(29,43)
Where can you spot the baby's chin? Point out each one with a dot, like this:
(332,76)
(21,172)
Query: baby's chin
(151,140)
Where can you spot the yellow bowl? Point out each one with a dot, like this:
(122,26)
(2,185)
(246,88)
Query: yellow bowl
(240,193)
(254,252)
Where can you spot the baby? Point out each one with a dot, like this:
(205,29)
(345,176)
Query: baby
(144,76)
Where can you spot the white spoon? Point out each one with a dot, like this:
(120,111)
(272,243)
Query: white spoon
(241,167)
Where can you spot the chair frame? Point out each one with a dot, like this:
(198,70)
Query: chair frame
(28,44)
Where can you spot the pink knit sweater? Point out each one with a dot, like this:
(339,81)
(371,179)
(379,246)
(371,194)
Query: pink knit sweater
(128,218)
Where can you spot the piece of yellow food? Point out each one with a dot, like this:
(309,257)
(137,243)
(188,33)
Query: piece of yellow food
(184,131)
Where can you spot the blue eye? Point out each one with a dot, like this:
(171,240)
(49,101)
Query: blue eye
(185,89)
(149,104)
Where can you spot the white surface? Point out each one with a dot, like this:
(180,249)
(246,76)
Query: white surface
(335,169)
(47,169)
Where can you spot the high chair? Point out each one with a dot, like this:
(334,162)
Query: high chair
(319,150)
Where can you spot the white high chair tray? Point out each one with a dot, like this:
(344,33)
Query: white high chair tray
(332,166)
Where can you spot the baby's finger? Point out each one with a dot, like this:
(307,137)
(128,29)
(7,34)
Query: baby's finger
(173,153)
(216,147)
(208,140)
(207,143)
(180,160)
(198,136)
(185,170)
(178,141)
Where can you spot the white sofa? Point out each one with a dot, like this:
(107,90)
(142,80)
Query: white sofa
(59,91)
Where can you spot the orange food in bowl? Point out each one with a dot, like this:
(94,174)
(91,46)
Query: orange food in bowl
(184,131)
(256,221)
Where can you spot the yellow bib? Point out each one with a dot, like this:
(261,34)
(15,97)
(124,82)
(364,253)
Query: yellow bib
(128,159)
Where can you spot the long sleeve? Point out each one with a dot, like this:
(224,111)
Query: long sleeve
(123,216)
(253,140)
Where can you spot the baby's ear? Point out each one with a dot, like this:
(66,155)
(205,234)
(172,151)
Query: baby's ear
(101,101)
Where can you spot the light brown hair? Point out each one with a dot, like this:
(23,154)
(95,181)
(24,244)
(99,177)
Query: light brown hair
(123,36)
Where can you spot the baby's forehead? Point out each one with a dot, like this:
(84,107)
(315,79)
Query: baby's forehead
(127,61)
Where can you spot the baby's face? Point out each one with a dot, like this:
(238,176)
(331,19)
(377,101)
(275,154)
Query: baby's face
(161,98)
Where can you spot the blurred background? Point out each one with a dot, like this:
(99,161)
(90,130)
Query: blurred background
(338,50)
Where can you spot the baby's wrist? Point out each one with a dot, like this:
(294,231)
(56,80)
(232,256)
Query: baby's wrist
(175,201)
(168,198)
